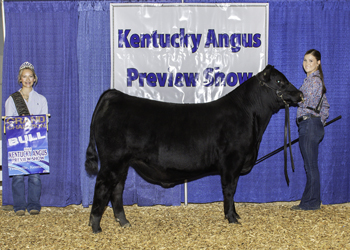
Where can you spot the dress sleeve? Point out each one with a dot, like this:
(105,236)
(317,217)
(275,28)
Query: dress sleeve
(44,107)
(10,107)
(315,92)
(324,110)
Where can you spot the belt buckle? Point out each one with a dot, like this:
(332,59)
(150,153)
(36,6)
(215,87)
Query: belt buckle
(305,117)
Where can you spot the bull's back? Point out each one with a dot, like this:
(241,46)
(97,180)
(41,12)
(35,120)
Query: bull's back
(164,134)
(167,135)
(142,116)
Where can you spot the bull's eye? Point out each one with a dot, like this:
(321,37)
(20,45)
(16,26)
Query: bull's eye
(281,84)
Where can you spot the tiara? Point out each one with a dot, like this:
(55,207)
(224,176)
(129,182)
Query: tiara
(26,65)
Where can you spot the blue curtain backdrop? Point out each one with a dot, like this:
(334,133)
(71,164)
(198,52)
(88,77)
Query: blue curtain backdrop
(69,44)
(45,35)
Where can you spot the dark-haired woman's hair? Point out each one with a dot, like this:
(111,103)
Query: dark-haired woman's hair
(317,55)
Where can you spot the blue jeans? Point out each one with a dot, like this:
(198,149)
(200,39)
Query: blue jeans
(311,132)
(34,192)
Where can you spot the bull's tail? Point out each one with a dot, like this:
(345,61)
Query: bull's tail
(91,162)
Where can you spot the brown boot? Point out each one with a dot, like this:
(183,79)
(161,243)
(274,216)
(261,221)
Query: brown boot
(34,212)
(7,208)
(20,213)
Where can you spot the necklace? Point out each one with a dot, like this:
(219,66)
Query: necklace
(24,97)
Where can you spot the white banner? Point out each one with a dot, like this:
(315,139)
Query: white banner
(186,53)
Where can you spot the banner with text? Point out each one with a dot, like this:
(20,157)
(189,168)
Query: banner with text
(27,144)
(186,53)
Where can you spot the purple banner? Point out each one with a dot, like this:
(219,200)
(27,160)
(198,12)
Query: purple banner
(27,144)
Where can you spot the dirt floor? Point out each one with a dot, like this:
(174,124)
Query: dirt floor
(196,226)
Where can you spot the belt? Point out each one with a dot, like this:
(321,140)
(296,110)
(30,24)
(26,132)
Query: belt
(305,117)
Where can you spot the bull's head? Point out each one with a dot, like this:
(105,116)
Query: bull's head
(275,80)
(290,95)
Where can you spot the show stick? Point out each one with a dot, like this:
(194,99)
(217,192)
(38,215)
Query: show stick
(296,140)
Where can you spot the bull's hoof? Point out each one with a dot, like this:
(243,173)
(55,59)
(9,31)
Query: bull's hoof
(96,231)
(232,219)
(234,222)
(126,225)
(94,222)
(123,222)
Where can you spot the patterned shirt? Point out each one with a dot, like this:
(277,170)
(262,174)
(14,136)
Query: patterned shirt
(312,91)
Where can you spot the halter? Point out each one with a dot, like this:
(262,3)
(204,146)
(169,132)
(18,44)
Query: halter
(279,94)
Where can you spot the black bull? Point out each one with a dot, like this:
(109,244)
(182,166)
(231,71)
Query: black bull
(168,143)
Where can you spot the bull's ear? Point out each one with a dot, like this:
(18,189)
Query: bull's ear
(265,74)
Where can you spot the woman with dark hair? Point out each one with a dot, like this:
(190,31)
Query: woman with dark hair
(26,101)
(311,117)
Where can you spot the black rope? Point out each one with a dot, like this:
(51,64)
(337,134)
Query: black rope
(287,132)
(285,143)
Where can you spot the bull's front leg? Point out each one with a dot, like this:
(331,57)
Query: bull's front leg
(229,186)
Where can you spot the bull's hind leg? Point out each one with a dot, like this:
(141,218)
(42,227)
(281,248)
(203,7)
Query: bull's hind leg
(117,203)
(103,192)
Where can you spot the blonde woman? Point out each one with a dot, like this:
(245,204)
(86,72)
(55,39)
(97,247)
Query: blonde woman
(26,101)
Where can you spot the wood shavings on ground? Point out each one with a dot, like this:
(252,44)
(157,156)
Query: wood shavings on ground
(196,226)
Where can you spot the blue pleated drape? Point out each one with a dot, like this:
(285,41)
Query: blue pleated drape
(45,35)
(95,77)
(69,44)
